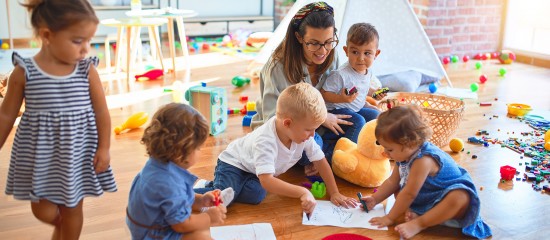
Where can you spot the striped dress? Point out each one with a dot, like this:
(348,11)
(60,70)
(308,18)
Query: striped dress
(56,140)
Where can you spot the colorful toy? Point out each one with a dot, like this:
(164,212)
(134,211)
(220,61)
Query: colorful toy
(474,87)
(240,81)
(432,87)
(380,91)
(211,102)
(483,78)
(134,121)
(547,136)
(454,58)
(502,72)
(456,145)
(351,91)
(247,120)
(5,46)
(506,57)
(476,140)
(446,60)
(250,106)
(363,163)
(507,172)
(518,109)
(465,58)
(150,75)
(243,99)
(478,65)
(319,190)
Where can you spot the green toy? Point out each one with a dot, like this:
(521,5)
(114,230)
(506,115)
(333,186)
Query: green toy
(478,65)
(319,190)
(240,81)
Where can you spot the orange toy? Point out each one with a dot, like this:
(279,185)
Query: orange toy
(134,121)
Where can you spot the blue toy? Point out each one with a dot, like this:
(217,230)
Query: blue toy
(247,120)
(211,102)
(432,87)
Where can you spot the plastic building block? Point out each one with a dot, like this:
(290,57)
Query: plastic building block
(319,190)
(240,81)
(507,172)
(247,120)
(243,98)
(475,140)
(251,106)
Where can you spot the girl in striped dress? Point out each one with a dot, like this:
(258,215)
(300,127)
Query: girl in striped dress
(60,152)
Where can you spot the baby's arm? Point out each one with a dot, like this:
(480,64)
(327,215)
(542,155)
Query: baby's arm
(103,122)
(420,170)
(214,216)
(335,196)
(280,187)
(12,103)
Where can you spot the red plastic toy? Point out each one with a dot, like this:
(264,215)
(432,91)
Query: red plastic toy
(507,172)
(446,60)
(483,78)
(465,58)
(151,74)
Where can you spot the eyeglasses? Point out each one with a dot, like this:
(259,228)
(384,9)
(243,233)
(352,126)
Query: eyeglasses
(314,46)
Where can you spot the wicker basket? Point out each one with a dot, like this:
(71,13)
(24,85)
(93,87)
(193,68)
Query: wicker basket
(444,113)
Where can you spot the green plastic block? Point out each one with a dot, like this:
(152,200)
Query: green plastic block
(319,190)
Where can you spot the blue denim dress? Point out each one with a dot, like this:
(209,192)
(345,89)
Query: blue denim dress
(450,177)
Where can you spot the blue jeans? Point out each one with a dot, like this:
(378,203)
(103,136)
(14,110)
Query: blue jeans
(351,132)
(304,160)
(246,185)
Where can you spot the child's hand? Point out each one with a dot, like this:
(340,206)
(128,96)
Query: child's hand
(370,201)
(208,199)
(217,215)
(380,96)
(308,202)
(102,159)
(347,98)
(340,200)
(381,221)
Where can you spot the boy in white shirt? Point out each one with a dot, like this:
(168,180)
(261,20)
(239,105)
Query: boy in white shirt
(251,164)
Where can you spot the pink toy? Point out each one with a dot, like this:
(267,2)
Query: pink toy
(151,74)
(446,60)
(483,78)
(465,58)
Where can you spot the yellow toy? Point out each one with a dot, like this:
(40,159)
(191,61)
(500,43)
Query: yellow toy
(134,121)
(456,145)
(547,136)
(364,163)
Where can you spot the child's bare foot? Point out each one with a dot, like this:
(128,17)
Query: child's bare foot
(409,229)
(410,215)
(310,170)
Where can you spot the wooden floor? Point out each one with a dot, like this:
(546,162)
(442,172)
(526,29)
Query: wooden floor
(513,210)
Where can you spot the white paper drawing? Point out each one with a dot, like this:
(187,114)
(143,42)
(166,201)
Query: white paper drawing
(243,232)
(327,214)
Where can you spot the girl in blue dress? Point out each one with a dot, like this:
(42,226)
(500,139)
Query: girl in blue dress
(60,153)
(429,187)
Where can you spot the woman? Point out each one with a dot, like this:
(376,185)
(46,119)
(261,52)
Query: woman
(305,54)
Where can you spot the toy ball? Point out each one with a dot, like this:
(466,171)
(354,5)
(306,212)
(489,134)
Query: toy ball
(547,146)
(502,71)
(446,60)
(547,136)
(456,145)
(5,46)
(474,87)
(432,87)
(478,56)
(506,57)
(483,78)
(465,58)
(494,55)
(478,65)
(487,56)
(454,58)
(205,46)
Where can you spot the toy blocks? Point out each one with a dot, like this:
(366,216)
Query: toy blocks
(211,102)
(319,190)
(507,172)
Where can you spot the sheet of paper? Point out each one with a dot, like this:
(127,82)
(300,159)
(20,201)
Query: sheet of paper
(327,214)
(243,232)
(458,93)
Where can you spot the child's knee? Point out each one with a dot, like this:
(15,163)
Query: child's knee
(460,197)
(46,212)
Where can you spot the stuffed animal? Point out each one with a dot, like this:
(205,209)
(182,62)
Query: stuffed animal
(363,163)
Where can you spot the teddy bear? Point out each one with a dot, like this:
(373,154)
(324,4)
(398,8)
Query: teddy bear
(364,163)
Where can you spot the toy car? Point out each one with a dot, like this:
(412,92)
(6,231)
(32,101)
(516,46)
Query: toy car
(382,90)
(351,91)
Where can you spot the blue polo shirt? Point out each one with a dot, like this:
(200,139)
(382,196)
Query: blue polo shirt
(161,195)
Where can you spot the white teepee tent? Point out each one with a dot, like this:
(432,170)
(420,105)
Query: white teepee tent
(403,41)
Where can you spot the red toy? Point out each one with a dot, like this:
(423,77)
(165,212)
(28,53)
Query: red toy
(483,78)
(446,60)
(465,58)
(217,199)
(151,74)
(507,172)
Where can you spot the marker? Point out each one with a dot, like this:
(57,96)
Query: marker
(360,196)
(308,215)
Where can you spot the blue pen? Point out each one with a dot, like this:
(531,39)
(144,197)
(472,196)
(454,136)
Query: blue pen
(360,196)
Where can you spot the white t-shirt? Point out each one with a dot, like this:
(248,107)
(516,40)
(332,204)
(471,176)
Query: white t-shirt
(346,77)
(262,152)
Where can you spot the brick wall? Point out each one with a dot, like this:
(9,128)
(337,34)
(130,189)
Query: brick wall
(453,26)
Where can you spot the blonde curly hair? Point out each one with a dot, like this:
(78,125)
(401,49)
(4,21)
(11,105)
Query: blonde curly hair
(175,131)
